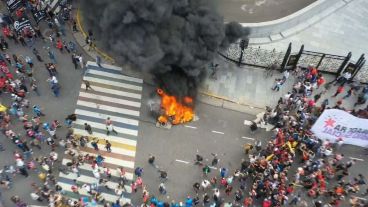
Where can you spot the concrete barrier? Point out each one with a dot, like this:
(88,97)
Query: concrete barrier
(265,32)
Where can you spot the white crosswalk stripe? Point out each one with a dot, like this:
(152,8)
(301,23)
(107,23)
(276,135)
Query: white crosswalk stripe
(93,108)
(108,197)
(110,75)
(109,99)
(111,160)
(108,108)
(113,83)
(104,116)
(103,127)
(88,167)
(119,139)
(91,180)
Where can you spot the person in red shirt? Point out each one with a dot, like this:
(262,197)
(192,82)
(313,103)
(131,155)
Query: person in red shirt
(6,31)
(320,81)
(312,70)
(339,90)
(266,203)
(248,201)
(59,45)
(289,189)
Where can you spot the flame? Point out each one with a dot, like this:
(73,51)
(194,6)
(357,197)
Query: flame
(174,110)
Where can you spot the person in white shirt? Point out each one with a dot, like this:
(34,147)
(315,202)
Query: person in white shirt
(343,78)
(80,58)
(36,197)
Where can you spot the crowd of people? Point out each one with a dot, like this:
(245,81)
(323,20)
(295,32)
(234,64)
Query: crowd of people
(271,175)
(294,168)
(18,82)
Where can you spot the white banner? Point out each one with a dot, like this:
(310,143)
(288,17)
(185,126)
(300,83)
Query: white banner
(335,123)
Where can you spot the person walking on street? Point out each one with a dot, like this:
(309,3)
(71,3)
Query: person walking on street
(37,54)
(98,61)
(295,200)
(108,146)
(214,160)
(87,84)
(88,128)
(75,26)
(37,111)
(162,188)
(29,61)
(55,89)
(34,88)
(339,90)
(206,170)
(109,127)
(163,175)
(59,45)
(151,159)
(80,59)
(94,144)
(349,93)
(52,56)
(75,60)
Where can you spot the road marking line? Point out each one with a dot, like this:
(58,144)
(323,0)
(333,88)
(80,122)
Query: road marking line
(117,92)
(88,179)
(111,160)
(182,161)
(88,167)
(108,108)
(356,159)
(112,75)
(109,99)
(112,67)
(192,127)
(121,142)
(82,191)
(247,138)
(217,132)
(113,83)
(96,125)
(247,122)
(104,116)
(364,199)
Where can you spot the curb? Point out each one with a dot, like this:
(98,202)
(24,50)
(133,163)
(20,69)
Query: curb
(279,29)
(204,97)
(100,52)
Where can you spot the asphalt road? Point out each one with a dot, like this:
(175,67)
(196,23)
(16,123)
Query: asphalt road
(219,131)
(252,11)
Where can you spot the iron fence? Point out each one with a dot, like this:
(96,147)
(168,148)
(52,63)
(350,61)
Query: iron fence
(328,63)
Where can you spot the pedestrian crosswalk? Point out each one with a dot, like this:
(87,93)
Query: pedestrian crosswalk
(116,96)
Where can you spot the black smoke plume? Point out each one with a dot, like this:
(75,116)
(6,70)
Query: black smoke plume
(173,39)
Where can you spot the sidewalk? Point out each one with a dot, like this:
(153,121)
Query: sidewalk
(248,86)
(341,32)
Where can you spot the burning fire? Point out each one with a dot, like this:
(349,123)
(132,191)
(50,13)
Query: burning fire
(175,111)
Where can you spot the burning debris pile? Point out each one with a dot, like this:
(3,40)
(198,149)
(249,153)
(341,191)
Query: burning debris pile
(175,111)
(162,37)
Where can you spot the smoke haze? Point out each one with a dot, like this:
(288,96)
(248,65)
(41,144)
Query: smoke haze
(173,39)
